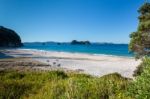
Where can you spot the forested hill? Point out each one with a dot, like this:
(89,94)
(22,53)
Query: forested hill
(9,38)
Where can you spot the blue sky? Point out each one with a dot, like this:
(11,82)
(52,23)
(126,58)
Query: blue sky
(65,20)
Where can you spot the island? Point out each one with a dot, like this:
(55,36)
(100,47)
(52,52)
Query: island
(75,42)
(9,38)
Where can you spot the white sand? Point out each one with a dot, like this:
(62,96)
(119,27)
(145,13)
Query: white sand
(97,65)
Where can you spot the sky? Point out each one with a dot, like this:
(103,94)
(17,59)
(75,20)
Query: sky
(66,20)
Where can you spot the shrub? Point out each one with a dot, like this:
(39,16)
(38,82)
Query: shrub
(140,68)
(140,88)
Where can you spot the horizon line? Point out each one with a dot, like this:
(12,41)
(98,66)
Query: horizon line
(70,41)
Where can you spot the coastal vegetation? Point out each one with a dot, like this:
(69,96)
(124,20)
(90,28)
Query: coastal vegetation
(60,85)
(140,40)
(140,44)
(9,38)
(139,88)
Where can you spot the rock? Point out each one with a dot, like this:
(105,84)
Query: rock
(9,38)
(75,42)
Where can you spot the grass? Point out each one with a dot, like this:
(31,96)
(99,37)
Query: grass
(60,85)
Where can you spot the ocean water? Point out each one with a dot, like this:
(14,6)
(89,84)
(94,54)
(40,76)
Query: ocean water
(95,48)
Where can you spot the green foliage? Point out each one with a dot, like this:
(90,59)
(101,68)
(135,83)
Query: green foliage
(140,40)
(60,85)
(144,26)
(140,88)
(13,89)
(145,9)
(140,45)
(140,68)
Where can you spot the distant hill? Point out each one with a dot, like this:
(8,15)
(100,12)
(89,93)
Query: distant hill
(9,38)
(62,43)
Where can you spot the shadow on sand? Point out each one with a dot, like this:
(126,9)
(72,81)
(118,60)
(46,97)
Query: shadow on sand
(3,56)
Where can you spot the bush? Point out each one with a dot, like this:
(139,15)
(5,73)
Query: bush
(140,68)
(140,88)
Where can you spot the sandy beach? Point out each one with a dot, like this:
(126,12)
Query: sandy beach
(97,65)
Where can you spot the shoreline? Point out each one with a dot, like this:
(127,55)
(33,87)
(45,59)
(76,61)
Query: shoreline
(96,65)
(94,54)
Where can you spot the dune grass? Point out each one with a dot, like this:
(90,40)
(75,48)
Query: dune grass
(60,85)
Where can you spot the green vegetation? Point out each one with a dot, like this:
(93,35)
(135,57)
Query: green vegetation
(60,85)
(140,44)
(9,38)
(140,88)
(140,40)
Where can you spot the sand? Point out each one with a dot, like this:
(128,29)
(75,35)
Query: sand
(96,65)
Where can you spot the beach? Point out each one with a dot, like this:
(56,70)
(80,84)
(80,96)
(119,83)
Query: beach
(96,65)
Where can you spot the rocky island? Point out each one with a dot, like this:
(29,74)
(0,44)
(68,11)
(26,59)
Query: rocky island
(75,42)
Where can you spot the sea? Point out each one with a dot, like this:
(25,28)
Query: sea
(93,48)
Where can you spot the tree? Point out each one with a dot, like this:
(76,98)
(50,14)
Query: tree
(140,40)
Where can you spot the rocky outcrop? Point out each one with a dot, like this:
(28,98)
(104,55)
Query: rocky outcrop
(75,42)
(9,38)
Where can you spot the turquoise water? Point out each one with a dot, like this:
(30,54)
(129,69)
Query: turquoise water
(107,49)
